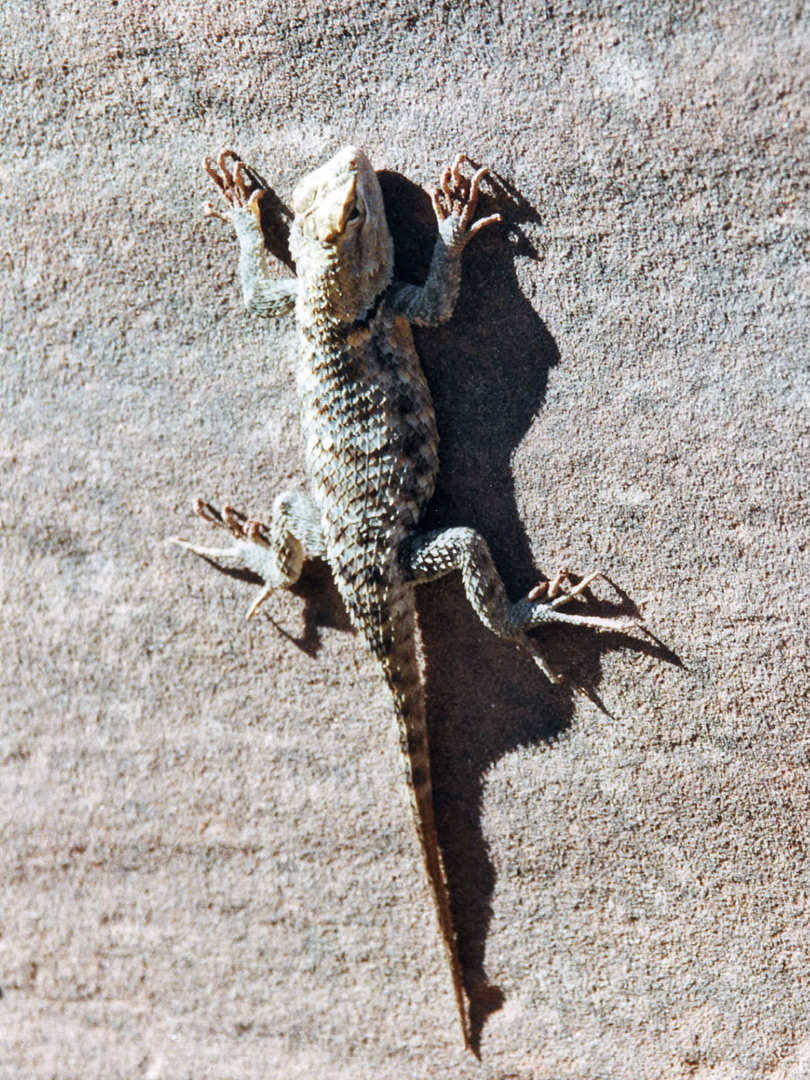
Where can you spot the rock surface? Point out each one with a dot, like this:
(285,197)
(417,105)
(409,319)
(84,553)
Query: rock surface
(207,865)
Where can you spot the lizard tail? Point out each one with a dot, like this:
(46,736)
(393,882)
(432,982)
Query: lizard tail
(401,668)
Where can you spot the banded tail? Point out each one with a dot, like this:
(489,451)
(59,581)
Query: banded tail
(400,665)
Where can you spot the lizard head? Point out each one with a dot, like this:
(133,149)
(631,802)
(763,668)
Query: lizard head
(340,230)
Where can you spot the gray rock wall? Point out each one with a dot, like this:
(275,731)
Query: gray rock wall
(207,865)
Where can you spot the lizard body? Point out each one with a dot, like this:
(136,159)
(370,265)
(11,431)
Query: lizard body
(371,443)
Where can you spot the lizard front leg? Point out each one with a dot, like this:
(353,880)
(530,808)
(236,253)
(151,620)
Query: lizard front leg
(431,555)
(275,552)
(263,294)
(454,204)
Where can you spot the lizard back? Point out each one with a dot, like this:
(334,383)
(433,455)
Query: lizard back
(371,451)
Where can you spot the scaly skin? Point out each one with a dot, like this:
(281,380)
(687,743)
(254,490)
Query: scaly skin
(371,442)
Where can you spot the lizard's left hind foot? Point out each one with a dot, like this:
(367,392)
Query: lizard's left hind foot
(275,552)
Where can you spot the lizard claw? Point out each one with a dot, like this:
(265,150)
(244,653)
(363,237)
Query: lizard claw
(251,547)
(544,600)
(234,183)
(457,198)
(552,590)
(210,210)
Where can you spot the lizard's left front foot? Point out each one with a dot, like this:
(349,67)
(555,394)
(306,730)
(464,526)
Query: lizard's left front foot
(235,185)
(456,199)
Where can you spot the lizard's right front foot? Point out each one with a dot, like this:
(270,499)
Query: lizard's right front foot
(456,200)
(235,186)
(252,547)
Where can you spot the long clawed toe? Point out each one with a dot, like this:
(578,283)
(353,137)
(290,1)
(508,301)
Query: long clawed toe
(244,529)
(234,182)
(261,596)
(251,546)
(539,659)
(551,591)
(219,171)
(457,194)
(208,512)
(239,524)
(206,552)
(548,597)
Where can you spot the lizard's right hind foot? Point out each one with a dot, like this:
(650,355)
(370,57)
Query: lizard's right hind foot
(553,591)
(542,606)
(544,601)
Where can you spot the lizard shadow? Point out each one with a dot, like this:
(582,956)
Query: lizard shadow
(321,602)
(488,371)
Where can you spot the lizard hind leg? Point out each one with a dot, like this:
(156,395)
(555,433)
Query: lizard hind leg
(275,552)
(431,555)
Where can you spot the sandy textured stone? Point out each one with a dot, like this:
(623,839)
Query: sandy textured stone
(207,865)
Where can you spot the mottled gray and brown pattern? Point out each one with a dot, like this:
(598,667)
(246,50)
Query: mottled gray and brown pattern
(371,442)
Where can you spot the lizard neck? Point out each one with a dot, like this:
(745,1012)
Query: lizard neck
(338,292)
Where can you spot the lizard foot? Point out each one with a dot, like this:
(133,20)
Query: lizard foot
(552,590)
(542,606)
(456,200)
(544,601)
(252,547)
(235,185)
